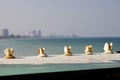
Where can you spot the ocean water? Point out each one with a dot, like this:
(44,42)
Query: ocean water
(18,69)
(28,47)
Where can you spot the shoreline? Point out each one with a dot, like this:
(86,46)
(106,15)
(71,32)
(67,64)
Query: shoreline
(61,59)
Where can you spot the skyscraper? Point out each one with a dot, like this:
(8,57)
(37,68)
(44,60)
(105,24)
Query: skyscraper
(34,33)
(5,33)
(39,33)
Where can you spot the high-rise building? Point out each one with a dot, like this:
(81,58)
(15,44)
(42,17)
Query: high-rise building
(39,33)
(34,33)
(5,33)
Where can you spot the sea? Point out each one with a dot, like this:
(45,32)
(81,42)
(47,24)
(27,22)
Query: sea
(53,46)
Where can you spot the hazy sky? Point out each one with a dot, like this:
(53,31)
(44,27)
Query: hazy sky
(88,18)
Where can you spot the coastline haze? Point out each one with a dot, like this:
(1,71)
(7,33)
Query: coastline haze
(89,18)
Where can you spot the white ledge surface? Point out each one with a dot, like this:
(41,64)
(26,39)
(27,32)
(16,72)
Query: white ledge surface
(61,59)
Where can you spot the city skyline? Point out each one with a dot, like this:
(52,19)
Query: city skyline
(86,18)
(6,33)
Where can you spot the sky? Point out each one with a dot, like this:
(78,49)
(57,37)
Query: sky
(86,18)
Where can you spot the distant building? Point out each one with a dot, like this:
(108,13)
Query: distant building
(74,35)
(39,33)
(5,33)
(34,33)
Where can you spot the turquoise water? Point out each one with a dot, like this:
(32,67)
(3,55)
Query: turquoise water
(18,69)
(28,47)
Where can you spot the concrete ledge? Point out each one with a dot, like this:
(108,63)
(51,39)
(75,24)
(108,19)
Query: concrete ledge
(55,59)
